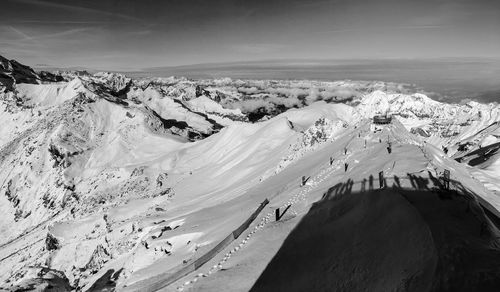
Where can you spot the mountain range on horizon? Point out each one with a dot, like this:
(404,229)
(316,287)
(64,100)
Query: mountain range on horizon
(117,182)
(445,79)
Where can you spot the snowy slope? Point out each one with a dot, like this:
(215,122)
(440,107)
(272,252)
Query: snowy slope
(43,95)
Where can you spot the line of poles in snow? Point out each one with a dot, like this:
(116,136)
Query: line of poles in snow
(280,211)
(300,196)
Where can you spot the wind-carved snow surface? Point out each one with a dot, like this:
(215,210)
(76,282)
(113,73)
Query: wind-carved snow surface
(107,179)
(323,130)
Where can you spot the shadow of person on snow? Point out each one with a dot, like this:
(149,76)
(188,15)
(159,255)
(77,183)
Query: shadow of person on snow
(391,239)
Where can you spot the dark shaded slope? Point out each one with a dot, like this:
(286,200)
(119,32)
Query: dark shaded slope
(13,72)
(480,156)
(389,240)
(215,126)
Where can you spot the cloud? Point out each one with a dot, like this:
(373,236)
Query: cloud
(288,92)
(19,32)
(256,48)
(274,95)
(59,22)
(248,90)
(329,94)
(288,102)
(266,96)
(382,28)
(62,33)
(76,8)
(141,32)
(313,95)
(269,103)
(25,37)
(24,40)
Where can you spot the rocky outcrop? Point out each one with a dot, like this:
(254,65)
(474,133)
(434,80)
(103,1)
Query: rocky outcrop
(99,257)
(323,130)
(420,132)
(116,85)
(201,91)
(12,72)
(43,279)
(51,242)
(50,77)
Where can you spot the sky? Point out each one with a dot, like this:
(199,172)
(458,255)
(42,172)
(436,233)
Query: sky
(128,35)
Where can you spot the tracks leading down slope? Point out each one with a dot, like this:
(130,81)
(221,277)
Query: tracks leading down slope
(412,234)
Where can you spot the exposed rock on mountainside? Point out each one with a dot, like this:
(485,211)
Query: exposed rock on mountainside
(13,72)
(43,279)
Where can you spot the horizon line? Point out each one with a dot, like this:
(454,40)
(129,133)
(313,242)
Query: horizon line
(275,61)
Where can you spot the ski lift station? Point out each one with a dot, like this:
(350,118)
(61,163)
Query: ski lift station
(379,121)
(382,119)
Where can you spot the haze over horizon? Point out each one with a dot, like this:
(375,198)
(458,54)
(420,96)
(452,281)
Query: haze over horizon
(132,35)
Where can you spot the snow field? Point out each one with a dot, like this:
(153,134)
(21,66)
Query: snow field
(298,197)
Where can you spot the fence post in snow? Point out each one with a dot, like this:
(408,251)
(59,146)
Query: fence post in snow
(277,212)
(447,179)
(381,180)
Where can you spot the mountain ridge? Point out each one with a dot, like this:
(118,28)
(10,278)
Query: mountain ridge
(96,165)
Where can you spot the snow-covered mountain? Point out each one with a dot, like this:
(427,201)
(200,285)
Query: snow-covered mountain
(108,179)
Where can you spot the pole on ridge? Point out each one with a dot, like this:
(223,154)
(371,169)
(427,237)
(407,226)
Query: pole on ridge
(447,179)
(381,180)
(277,212)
